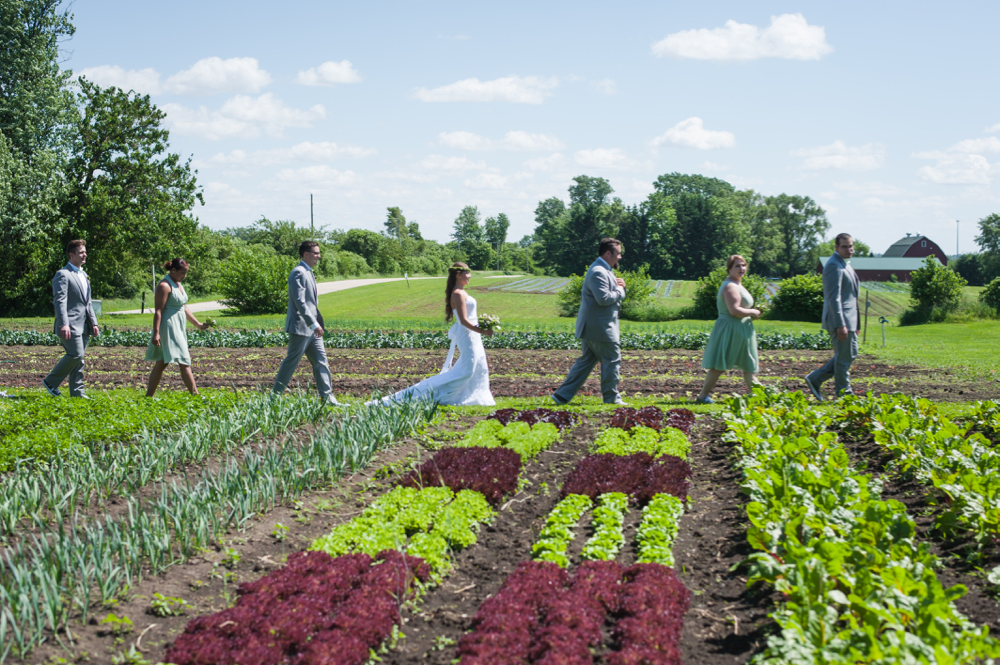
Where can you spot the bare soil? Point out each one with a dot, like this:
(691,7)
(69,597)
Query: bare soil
(513,373)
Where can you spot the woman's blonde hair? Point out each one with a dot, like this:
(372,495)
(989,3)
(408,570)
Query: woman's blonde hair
(453,271)
(733,259)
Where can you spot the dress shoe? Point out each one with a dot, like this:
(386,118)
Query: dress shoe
(330,400)
(813,389)
(52,391)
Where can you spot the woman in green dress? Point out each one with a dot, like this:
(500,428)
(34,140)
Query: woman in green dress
(733,343)
(169,343)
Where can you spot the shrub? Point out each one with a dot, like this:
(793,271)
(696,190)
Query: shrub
(255,281)
(799,298)
(350,264)
(990,296)
(708,290)
(933,286)
(638,290)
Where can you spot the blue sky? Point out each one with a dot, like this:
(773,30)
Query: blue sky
(885,113)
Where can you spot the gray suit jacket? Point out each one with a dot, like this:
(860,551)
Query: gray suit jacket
(840,296)
(303,309)
(71,298)
(600,301)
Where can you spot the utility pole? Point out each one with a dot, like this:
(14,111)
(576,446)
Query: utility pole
(312,223)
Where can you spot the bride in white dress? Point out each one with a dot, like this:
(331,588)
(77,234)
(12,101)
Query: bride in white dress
(467,382)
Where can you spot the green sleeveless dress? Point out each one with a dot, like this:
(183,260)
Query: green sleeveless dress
(173,346)
(733,344)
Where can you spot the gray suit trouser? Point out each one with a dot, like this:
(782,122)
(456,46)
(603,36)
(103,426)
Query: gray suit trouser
(839,366)
(70,365)
(313,348)
(609,354)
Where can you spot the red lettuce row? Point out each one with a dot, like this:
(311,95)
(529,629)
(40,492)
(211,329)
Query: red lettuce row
(540,616)
(561,419)
(317,610)
(652,604)
(492,472)
(639,475)
(650,416)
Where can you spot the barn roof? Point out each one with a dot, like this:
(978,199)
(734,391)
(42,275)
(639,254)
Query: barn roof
(881,262)
(899,247)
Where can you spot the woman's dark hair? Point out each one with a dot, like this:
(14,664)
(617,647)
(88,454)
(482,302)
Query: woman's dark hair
(453,271)
(175,264)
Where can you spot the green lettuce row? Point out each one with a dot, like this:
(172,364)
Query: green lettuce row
(391,339)
(558,532)
(526,440)
(609,518)
(961,464)
(857,587)
(658,529)
(429,523)
(616,441)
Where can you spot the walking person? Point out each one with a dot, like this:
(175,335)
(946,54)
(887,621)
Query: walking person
(304,325)
(841,318)
(75,321)
(169,342)
(597,326)
(733,342)
(467,382)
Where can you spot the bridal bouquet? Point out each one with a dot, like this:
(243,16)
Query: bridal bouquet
(210,323)
(489,322)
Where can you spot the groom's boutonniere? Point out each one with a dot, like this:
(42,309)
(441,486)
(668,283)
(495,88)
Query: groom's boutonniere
(489,322)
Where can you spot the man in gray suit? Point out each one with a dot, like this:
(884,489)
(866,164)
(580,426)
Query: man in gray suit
(75,321)
(597,326)
(841,318)
(304,324)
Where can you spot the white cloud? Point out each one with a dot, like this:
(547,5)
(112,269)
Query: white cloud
(607,86)
(486,181)
(320,174)
(839,155)
(329,73)
(214,75)
(240,116)
(712,166)
(146,81)
(987,144)
(873,188)
(603,158)
(955,169)
(450,164)
(550,163)
(994,128)
(513,89)
(789,36)
(300,152)
(513,140)
(691,133)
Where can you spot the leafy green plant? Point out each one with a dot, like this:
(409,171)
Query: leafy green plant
(230,557)
(165,606)
(526,440)
(658,529)
(669,441)
(279,532)
(117,625)
(557,533)
(933,286)
(609,517)
(990,296)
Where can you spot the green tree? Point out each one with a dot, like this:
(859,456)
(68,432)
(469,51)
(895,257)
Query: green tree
(989,240)
(764,240)
(470,238)
(646,232)
(551,219)
(495,232)
(707,292)
(395,224)
(128,196)
(799,298)
(283,235)
(256,280)
(935,287)
(990,296)
(589,219)
(828,247)
(800,223)
(36,114)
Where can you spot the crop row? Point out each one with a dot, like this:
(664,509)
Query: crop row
(373,339)
(428,523)
(72,480)
(962,465)
(44,582)
(39,428)
(856,586)
(542,616)
(524,439)
(316,610)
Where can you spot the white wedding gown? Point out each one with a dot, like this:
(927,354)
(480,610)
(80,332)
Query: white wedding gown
(467,382)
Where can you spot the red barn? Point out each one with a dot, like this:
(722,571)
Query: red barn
(916,246)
